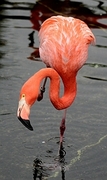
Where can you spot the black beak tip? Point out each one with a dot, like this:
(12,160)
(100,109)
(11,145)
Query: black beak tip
(26,123)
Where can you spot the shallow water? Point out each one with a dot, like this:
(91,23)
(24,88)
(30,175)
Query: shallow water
(86,132)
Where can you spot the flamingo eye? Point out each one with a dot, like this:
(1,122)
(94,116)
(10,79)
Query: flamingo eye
(23,95)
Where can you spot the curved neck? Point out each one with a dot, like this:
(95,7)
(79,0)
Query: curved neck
(70,90)
(33,84)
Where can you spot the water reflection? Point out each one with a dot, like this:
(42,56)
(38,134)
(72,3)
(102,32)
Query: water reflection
(62,161)
(31,38)
(38,171)
(44,9)
(42,170)
(35,54)
(8,5)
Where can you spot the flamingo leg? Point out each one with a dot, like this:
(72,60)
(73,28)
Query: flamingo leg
(62,128)
(42,90)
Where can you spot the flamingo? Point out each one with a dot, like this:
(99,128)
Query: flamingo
(64,43)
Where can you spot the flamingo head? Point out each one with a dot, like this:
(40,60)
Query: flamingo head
(23,112)
(27,98)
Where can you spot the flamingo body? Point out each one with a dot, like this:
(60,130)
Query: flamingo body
(63,47)
(64,44)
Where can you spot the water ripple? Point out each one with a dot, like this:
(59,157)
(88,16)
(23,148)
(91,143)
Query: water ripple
(79,154)
(96,65)
(95,78)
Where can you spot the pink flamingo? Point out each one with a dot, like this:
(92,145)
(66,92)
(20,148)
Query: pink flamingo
(63,48)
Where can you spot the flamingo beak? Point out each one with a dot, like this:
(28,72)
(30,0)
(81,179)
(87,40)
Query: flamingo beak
(23,113)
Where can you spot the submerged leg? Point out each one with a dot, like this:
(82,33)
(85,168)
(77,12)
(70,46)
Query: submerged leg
(62,128)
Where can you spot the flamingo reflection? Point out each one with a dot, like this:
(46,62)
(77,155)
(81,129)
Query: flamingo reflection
(42,170)
(45,9)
